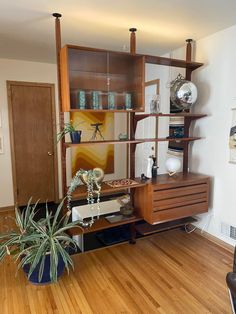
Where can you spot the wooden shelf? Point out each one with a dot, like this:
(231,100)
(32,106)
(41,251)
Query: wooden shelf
(172,62)
(164,139)
(105,142)
(178,178)
(102,224)
(135,141)
(192,116)
(106,110)
(81,191)
(146,228)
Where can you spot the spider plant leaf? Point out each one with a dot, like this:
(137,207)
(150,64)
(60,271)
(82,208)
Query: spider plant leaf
(57,214)
(48,219)
(27,259)
(8,235)
(62,251)
(41,267)
(30,215)
(37,257)
(19,222)
(27,212)
(10,242)
(53,262)
(73,224)
(68,240)
(39,228)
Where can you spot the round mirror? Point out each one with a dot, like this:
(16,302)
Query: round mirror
(183,93)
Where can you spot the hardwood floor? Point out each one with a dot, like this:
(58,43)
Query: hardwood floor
(171,272)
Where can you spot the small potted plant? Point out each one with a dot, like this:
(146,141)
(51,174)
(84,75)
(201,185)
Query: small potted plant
(75,135)
(40,246)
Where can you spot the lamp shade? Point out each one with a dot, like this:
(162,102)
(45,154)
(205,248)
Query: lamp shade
(172,165)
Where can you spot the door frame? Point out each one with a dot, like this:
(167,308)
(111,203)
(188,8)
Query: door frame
(12,140)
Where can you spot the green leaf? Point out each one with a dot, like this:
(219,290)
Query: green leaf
(41,268)
(37,257)
(39,228)
(73,224)
(53,262)
(48,219)
(18,219)
(57,214)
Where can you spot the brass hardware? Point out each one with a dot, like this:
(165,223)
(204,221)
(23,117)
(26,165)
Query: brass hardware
(50,153)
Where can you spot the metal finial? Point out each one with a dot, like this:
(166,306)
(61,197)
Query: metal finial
(57,15)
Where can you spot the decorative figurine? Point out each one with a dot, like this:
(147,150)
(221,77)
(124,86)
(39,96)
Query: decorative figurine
(96,131)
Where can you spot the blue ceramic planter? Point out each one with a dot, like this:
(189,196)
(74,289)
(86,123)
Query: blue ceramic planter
(75,137)
(46,273)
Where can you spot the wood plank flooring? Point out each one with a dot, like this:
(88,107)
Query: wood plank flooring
(171,272)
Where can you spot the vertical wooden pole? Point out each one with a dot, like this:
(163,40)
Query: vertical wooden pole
(132,147)
(58,49)
(133,30)
(188,58)
(187,121)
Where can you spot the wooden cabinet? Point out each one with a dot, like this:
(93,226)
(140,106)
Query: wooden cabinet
(169,198)
(105,72)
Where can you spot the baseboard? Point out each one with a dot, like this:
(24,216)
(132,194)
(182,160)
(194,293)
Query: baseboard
(216,240)
(7,208)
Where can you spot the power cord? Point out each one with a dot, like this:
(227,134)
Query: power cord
(189,230)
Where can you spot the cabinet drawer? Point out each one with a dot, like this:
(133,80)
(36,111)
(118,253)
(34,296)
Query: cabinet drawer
(179,201)
(179,191)
(179,212)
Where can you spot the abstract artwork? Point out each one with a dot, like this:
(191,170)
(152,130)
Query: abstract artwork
(232,138)
(94,126)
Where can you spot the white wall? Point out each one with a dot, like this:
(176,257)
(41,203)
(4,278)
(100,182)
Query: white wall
(216,82)
(146,127)
(16,70)
(217,95)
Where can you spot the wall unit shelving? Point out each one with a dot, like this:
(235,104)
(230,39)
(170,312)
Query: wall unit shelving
(90,70)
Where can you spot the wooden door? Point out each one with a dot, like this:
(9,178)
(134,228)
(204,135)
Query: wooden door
(32,128)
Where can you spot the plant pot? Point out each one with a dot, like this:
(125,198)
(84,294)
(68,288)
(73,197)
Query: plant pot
(46,273)
(75,137)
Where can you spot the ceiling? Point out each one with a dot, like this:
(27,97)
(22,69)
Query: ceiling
(27,27)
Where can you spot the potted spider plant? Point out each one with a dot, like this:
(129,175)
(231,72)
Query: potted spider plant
(69,128)
(40,246)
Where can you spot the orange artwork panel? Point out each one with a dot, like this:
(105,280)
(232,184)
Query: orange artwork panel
(91,156)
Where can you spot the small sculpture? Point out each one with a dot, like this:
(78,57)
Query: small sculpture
(126,208)
(96,131)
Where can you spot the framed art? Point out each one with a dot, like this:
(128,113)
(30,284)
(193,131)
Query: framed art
(101,156)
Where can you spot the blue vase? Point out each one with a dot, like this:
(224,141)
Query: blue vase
(46,272)
(75,137)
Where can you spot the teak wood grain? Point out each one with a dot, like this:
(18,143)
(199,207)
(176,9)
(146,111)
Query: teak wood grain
(168,198)
(171,272)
